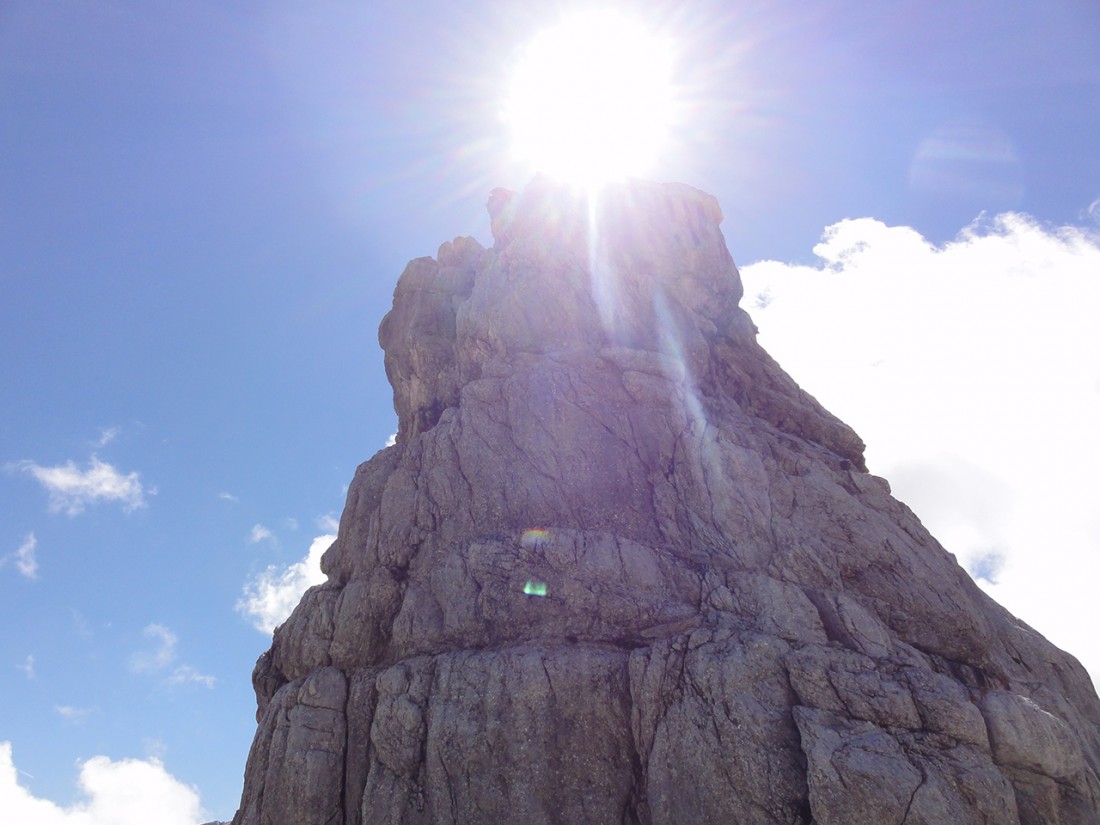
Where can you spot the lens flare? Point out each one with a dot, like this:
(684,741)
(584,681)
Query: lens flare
(534,588)
(534,539)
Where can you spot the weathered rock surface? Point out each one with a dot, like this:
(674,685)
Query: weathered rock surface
(619,568)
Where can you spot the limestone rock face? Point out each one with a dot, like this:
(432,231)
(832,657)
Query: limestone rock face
(619,568)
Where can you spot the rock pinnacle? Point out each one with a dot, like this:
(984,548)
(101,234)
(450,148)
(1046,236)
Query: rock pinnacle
(620,568)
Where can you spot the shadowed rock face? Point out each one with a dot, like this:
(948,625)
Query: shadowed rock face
(619,568)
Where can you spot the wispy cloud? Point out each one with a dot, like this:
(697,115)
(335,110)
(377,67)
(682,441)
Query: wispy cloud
(112,791)
(1092,211)
(107,435)
(154,748)
(232,499)
(972,371)
(72,489)
(27,666)
(160,657)
(185,674)
(81,625)
(71,714)
(328,522)
(25,560)
(271,596)
(260,533)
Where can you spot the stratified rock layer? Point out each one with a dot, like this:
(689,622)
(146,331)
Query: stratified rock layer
(619,568)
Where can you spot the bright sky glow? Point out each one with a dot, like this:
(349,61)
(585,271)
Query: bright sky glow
(592,99)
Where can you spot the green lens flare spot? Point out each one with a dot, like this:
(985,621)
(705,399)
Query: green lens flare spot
(534,588)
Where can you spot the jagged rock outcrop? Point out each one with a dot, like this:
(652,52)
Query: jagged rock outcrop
(619,568)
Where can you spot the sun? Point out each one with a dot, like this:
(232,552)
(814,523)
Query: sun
(591,99)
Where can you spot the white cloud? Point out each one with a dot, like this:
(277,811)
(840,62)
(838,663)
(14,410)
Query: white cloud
(72,489)
(972,371)
(291,523)
(271,596)
(27,666)
(260,533)
(122,792)
(391,440)
(328,522)
(232,499)
(162,654)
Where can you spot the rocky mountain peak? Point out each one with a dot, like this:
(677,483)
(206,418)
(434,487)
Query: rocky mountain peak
(619,567)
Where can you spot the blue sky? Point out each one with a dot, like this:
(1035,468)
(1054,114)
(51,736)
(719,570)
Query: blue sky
(204,208)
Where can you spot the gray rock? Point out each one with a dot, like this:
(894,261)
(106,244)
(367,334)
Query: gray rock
(620,568)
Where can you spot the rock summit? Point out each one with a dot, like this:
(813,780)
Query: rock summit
(620,568)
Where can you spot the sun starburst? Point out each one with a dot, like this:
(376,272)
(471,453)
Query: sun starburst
(592,99)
